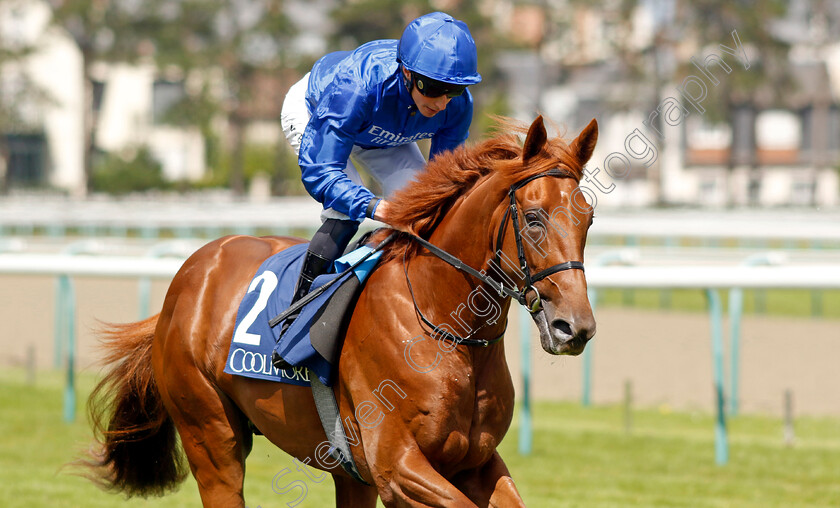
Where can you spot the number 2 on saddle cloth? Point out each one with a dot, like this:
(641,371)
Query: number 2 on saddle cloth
(311,341)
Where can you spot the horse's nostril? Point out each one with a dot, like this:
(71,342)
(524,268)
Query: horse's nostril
(563,326)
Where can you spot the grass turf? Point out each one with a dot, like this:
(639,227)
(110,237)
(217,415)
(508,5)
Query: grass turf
(774,302)
(582,457)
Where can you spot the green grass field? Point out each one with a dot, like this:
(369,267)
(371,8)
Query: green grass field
(582,458)
(776,302)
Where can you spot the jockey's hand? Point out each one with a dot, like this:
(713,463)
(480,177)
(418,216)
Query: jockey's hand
(381,213)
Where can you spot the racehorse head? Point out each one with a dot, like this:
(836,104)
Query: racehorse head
(554,218)
(524,205)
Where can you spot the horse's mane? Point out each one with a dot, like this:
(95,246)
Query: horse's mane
(422,204)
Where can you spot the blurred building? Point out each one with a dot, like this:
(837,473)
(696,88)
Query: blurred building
(128,101)
(576,62)
(40,132)
(587,61)
(44,139)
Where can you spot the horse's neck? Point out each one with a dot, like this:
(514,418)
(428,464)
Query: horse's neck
(466,228)
(466,232)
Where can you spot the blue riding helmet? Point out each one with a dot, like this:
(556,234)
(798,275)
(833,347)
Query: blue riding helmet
(440,47)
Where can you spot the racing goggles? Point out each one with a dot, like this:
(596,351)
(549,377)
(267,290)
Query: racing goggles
(432,88)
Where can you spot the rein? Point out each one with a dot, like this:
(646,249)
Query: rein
(444,335)
(520,295)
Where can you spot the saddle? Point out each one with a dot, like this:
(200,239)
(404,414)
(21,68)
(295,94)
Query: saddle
(312,343)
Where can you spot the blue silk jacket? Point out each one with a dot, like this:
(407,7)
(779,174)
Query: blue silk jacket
(359,98)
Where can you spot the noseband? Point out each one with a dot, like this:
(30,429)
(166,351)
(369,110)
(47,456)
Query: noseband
(520,295)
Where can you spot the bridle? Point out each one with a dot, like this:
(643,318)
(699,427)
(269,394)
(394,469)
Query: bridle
(520,295)
(513,212)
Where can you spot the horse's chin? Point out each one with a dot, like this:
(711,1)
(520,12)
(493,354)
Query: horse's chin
(556,342)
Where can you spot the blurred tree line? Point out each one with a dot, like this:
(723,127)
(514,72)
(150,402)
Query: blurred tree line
(206,43)
(223,50)
(697,26)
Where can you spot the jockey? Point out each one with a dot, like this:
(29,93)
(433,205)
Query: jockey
(366,109)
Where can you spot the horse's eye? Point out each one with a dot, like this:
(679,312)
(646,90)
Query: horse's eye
(531,218)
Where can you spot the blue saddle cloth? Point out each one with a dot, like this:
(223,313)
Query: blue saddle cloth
(311,342)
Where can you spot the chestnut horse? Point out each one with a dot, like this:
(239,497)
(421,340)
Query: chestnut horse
(444,406)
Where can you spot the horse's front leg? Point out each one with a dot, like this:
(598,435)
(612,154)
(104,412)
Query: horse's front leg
(490,485)
(409,480)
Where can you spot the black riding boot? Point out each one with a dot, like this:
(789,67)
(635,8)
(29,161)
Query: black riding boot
(313,266)
(326,246)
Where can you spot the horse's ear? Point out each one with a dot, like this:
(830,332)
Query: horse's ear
(535,140)
(584,145)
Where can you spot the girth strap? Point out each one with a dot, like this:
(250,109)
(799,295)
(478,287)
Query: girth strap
(327,408)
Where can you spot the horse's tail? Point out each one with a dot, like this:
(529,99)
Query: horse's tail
(137,449)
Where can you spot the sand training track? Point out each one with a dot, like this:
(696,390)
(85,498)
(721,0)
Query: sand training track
(666,355)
